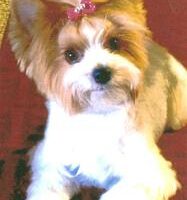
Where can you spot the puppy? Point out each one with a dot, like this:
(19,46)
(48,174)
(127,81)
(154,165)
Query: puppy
(111,92)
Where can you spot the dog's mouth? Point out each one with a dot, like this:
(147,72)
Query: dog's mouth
(105,98)
(111,94)
(112,89)
(99,89)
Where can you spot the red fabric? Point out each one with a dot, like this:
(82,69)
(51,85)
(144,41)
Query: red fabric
(168,22)
(22,108)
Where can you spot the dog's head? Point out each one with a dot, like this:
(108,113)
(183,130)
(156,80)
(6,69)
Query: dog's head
(87,55)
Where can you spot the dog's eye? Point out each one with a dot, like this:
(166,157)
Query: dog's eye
(72,56)
(114,43)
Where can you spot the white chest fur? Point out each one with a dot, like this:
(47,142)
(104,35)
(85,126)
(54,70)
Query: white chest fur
(85,149)
(86,143)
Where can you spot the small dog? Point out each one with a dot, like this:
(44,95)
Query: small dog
(111,93)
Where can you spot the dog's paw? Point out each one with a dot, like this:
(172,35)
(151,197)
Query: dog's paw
(168,184)
(127,194)
(48,196)
(161,189)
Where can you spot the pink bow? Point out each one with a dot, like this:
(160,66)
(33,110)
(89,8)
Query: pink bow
(85,7)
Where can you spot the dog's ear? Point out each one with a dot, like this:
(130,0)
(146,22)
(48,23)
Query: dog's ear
(31,13)
(32,24)
(136,1)
(140,10)
(26,13)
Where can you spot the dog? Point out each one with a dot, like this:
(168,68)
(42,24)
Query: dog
(111,92)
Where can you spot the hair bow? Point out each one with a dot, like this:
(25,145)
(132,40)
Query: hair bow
(84,8)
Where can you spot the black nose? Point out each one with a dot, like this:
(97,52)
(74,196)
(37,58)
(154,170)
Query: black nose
(102,74)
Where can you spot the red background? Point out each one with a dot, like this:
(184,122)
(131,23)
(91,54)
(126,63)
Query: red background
(22,109)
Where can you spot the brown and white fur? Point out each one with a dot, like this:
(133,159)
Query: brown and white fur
(99,133)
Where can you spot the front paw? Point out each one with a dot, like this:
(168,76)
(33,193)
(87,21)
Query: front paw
(126,194)
(48,196)
(159,189)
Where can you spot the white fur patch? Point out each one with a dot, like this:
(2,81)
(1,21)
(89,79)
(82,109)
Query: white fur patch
(85,149)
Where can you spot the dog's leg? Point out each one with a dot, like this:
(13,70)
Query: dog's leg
(48,181)
(177,112)
(121,192)
(147,175)
(48,184)
(48,195)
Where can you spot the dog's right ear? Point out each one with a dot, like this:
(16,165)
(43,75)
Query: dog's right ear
(30,24)
(26,12)
(24,18)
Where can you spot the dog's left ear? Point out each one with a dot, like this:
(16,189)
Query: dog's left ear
(137,1)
